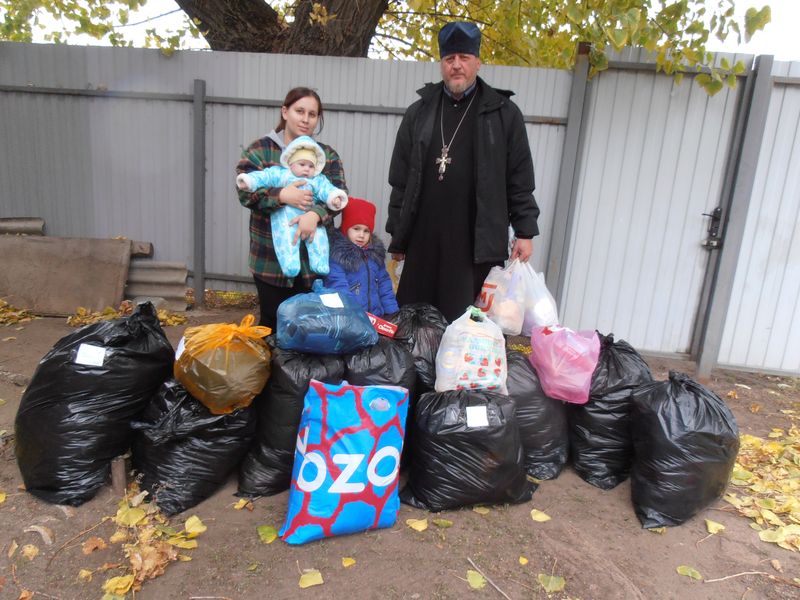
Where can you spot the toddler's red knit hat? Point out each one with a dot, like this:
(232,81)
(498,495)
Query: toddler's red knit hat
(358,212)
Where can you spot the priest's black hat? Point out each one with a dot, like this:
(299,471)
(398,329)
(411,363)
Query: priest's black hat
(459,37)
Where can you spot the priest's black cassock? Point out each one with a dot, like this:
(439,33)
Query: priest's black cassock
(440,252)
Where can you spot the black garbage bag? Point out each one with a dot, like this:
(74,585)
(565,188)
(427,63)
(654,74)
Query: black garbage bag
(386,363)
(686,441)
(183,451)
(457,461)
(75,415)
(542,421)
(267,467)
(420,328)
(599,431)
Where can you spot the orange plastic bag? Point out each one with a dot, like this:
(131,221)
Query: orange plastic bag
(224,365)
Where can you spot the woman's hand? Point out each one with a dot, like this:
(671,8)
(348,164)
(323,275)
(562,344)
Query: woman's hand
(292,195)
(306,226)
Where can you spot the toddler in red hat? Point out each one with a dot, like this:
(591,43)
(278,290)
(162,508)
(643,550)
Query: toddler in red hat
(358,260)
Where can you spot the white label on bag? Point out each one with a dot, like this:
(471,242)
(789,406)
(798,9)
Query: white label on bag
(331,300)
(477,417)
(92,356)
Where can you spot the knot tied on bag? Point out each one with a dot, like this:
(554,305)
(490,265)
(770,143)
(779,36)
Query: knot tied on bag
(202,339)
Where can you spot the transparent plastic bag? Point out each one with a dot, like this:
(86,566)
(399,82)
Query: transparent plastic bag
(472,355)
(540,308)
(224,365)
(502,297)
(565,361)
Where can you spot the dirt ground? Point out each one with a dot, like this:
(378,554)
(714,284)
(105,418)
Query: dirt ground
(593,540)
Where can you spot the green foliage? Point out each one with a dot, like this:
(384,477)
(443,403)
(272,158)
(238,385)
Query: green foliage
(62,21)
(546,33)
(543,33)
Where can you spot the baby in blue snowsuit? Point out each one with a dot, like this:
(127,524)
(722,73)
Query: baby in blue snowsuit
(303,159)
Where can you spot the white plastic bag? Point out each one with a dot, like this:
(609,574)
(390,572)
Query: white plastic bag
(502,297)
(472,355)
(540,306)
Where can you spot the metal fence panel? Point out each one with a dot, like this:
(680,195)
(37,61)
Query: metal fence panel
(762,329)
(653,162)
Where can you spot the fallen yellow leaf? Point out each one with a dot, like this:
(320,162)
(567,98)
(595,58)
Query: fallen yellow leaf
(2,497)
(754,407)
(475,580)
(30,551)
(184,558)
(85,575)
(776,564)
(732,395)
(12,548)
(180,542)
(25,595)
(243,503)
(551,583)
(688,571)
(118,586)
(417,524)
(128,516)
(267,533)
(348,561)
(481,510)
(310,578)
(659,530)
(194,527)
(119,536)
(523,560)
(714,527)
(539,516)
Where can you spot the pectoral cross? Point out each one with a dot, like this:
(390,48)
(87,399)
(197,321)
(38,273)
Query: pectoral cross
(443,161)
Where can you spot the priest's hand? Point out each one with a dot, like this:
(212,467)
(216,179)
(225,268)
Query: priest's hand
(523,249)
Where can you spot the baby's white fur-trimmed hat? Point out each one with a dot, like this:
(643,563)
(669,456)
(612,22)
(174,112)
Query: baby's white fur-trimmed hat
(307,143)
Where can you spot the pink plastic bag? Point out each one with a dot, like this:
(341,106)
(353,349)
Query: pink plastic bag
(565,361)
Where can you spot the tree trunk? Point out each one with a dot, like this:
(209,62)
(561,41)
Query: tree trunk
(254,26)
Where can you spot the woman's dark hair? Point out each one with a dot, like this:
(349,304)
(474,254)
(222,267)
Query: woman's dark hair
(293,96)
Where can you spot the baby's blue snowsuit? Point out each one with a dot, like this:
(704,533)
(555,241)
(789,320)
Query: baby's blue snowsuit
(282,233)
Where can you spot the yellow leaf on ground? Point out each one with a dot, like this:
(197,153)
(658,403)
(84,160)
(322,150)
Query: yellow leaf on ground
(85,575)
(481,510)
(184,558)
(118,586)
(267,533)
(25,595)
(688,571)
(2,497)
(442,523)
(310,578)
(12,548)
(659,530)
(732,395)
(180,542)
(194,527)
(119,536)
(551,583)
(776,564)
(30,551)
(539,516)
(417,524)
(348,561)
(714,527)
(755,407)
(475,580)
(128,516)
(523,560)
(253,567)
(243,503)
(92,544)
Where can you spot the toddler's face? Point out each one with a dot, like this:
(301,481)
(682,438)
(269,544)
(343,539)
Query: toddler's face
(302,168)
(359,235)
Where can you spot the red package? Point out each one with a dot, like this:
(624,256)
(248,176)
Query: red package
(383,327)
